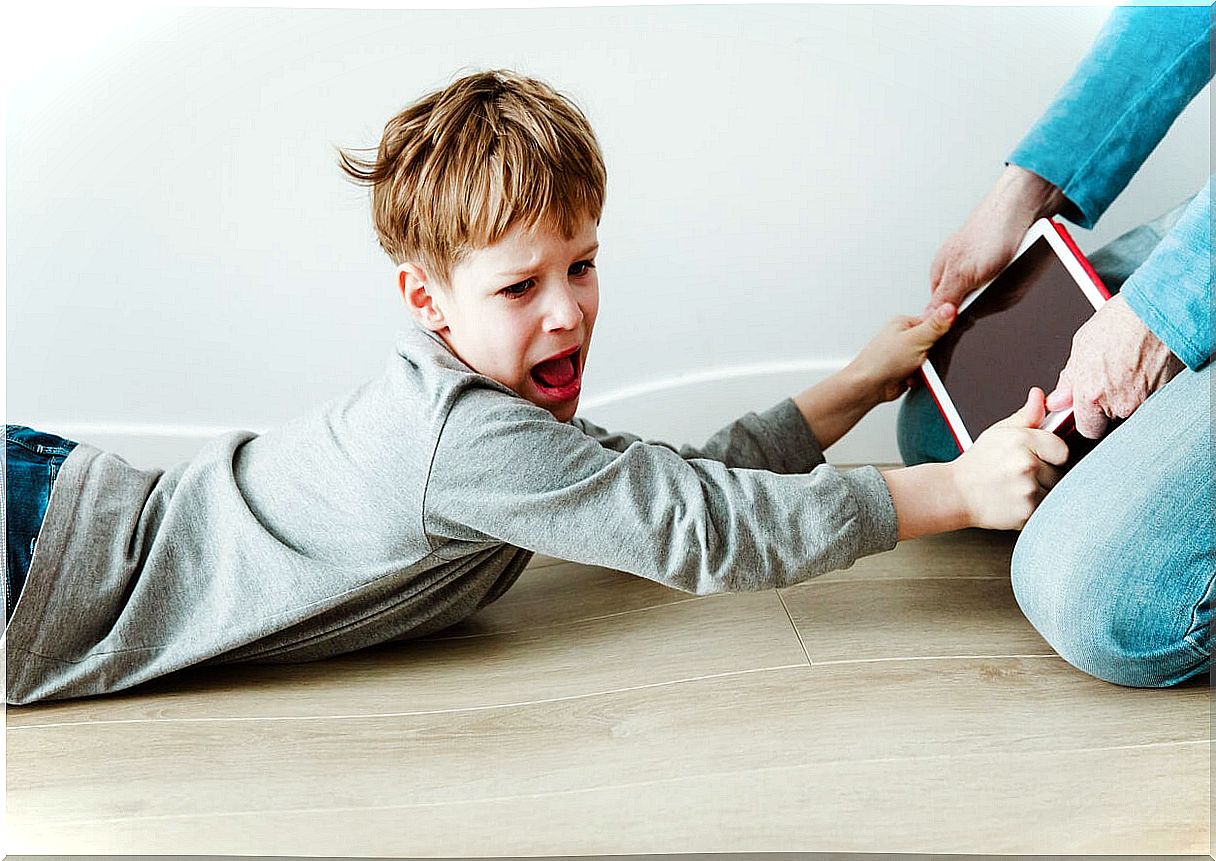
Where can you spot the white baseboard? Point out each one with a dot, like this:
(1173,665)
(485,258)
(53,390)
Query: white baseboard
(683,409)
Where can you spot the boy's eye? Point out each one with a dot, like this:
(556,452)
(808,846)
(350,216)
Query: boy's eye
(517,290)
(581,268)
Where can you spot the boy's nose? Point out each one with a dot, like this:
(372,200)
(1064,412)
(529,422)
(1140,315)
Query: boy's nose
(563,311)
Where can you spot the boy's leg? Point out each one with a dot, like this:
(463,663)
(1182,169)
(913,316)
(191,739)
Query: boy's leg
(1115,569)
(32,462)
(920,430)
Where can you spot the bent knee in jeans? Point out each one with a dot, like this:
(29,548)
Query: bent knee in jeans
(1131,621)
(1116,567)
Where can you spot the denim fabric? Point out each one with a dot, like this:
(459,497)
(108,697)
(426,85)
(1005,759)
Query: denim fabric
(32,461)
(921,432)
(1145,67)
(1115,568)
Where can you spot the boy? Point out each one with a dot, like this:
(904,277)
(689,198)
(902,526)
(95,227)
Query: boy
(407,505)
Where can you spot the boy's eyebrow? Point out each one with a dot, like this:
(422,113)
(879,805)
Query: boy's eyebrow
(511,273)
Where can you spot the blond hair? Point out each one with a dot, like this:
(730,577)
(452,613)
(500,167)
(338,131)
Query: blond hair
(462,166)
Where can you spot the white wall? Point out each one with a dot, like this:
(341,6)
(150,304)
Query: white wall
(185,257)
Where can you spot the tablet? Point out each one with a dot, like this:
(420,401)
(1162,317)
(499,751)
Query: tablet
(1013,333)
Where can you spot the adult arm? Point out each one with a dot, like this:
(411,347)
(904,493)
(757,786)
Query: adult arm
(1172,290)
(1144,68)
(1146,64)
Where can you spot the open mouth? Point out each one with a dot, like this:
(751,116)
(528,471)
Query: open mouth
(559,377)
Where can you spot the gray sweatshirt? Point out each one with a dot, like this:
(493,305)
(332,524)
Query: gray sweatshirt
(399,510)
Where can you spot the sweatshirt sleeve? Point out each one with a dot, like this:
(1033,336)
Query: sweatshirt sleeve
(1145,66)
(1172,290)
(777,439)
(507,471)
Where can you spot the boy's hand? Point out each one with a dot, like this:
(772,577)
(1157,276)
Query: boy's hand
(1005,475)
(889,362)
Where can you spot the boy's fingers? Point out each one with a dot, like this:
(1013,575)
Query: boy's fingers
(1048,476)
(1031,413)
(936,323)
(1049,448)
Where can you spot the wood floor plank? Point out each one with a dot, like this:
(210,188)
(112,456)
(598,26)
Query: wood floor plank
(1140,800)
(722,633)
(825,719)
(906,618)
(539,560)
(545,729)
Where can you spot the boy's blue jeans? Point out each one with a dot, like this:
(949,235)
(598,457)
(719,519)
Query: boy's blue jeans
(1115,569)
(32,462)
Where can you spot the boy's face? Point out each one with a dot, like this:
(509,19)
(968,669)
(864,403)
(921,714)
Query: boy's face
(520,312)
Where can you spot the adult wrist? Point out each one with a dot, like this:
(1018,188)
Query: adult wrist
(1028,194)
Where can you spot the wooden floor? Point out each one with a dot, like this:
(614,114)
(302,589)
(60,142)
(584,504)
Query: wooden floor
(902,706)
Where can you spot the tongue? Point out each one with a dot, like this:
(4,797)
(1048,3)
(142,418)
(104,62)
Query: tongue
(556,373)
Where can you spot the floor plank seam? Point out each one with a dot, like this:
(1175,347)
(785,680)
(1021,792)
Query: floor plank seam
(836,581)
(371,715)
(797,633)
(161,817)
(929,658)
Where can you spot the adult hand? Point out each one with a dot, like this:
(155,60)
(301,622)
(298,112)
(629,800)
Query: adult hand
(981,248)
(1116,363)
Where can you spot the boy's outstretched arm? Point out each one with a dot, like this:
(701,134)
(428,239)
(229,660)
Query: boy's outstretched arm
(878,374)
(995,484)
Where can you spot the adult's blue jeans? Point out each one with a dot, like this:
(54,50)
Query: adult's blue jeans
(32,462)
(1115,569)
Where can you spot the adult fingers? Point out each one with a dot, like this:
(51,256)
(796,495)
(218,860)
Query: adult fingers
(937,268)
(948,281)
(1089,418)
(1061,395)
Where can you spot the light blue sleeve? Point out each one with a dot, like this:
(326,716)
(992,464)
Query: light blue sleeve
(1172,291)
(1145,66)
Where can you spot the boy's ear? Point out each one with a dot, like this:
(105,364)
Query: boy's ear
(419,294)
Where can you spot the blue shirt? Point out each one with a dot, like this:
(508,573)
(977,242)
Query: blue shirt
(1146,65)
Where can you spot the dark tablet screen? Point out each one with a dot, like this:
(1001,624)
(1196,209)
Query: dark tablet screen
(1017,334)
